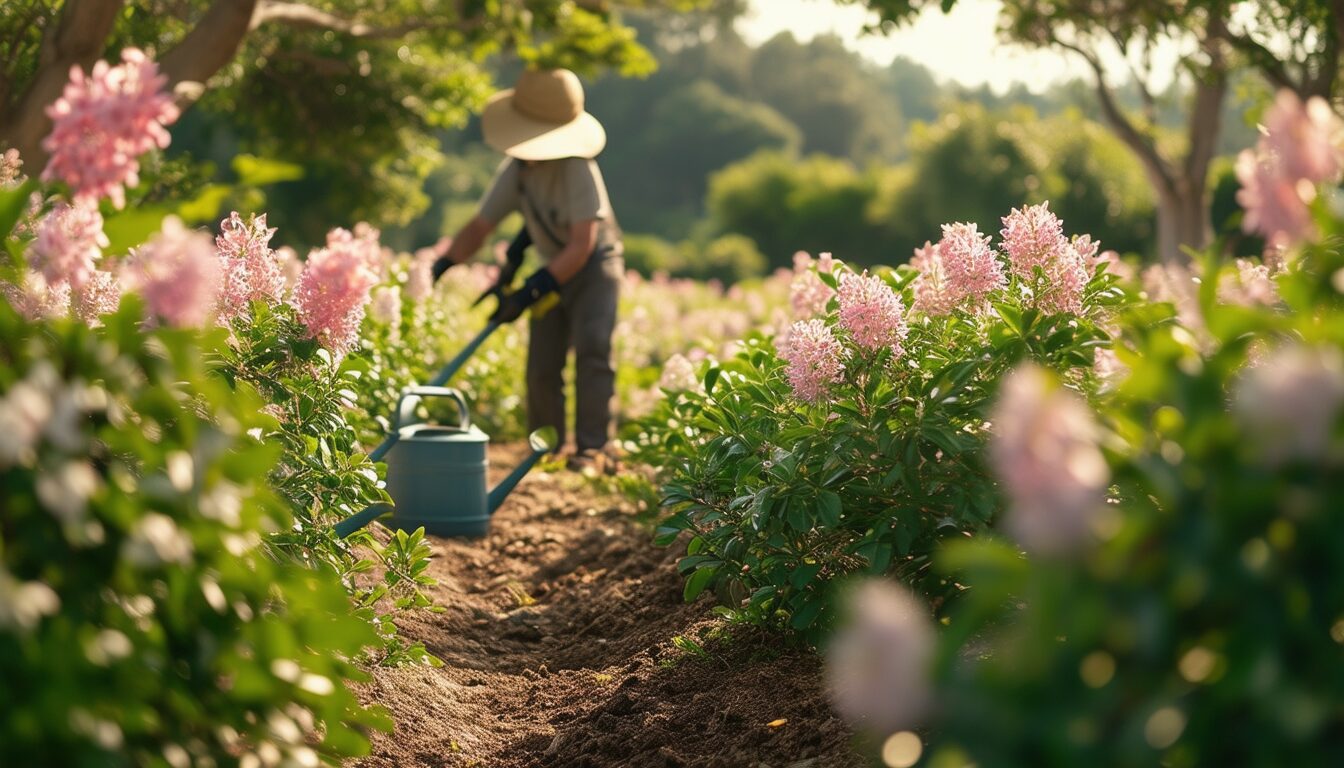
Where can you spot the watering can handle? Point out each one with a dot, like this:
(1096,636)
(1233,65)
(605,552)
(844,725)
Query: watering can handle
(411,397)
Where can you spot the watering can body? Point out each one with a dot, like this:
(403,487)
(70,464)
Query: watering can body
(436,474)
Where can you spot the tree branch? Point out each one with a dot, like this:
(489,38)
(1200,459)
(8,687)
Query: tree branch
(1141,144)
(76,40)
(301,15)
(211,44)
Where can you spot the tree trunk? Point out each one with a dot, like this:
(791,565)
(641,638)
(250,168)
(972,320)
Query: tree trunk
(1182,220)
(76,40)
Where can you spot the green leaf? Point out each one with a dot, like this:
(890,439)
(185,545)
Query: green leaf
(803,574)
(828,508)
(205,207)
(129,228)
(698,582)
(711,378)
(805,616)
(13,202)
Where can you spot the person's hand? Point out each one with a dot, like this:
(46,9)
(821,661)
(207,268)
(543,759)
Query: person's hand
(513,305)
(441,265)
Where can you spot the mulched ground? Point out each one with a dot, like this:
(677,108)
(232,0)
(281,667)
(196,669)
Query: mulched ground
(558,649)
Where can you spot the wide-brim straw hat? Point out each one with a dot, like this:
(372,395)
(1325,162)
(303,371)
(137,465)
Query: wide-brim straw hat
(542,118)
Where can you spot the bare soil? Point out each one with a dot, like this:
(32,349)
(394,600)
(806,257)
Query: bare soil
(558,647)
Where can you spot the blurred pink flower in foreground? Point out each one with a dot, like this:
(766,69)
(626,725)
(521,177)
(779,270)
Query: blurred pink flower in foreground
(290,265)
(933,296)
(1289,402)
(815,359)
(178,274)
(972,268)
(808,294)
(10,163)
(1045,455)
(877,664)
(103,122)
(251,271)
(100,295)
(1300,149)
(69,241)
(333,290)
(872,312)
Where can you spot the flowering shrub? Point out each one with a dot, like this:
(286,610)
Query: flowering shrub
(1196,617)
(854,442)
(141,618)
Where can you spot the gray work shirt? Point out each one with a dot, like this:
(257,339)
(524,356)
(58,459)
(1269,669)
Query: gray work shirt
(552,195)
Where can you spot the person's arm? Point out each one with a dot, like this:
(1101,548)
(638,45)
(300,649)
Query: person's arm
(468,241)
(565,265)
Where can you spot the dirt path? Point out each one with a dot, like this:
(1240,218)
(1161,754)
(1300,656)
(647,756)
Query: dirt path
(558,650)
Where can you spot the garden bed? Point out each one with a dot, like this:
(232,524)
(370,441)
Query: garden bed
(564,641)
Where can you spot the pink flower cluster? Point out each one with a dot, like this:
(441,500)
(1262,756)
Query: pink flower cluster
(1249,285)
(177,273)
(878,663)
(35,299)
(333,290)
(933,297)
(1044,453)
(808,294)
(386,305)
(10,163)
(872,312)
(679,375)
(972,268)
(1033,238)
(100,295)
(103,122)
(69,241)
(815,359)
(250,269)
(1290,401)
(420,277)
(1300,148)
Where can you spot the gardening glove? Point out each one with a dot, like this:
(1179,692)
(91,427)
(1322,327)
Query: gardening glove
(509,269)
(513,304)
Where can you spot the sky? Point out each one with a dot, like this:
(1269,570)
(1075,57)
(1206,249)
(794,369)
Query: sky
(961,46)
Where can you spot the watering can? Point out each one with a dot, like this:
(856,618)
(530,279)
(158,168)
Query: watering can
(436,474)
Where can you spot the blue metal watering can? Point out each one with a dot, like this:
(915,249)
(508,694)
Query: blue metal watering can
(436,474)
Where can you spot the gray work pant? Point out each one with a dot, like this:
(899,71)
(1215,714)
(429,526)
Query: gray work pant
(583,320)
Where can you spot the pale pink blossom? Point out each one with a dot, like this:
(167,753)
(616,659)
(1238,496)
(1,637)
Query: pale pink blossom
(290,265)
(177,273)
(678,375)
(104,122)
(872,313)
(1033,237)
(251,271)
(333,291)
(1248,285)
(69,242)
(815,359)
(878,664)
(1089,251)
(385,307)
(10,165)
(35,299)
(420,277)
(972,268)
(933,297)
(1305,138)
(1045,455)
(100,295)
(808,294)
(1299,149)
(1289,402)
(1109,368)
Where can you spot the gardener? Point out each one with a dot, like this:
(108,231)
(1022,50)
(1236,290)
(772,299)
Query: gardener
(551,177)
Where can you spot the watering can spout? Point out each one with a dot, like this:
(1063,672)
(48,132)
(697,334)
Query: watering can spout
(542,442)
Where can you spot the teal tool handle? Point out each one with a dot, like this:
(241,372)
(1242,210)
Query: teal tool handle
(456,363)
(360,519)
